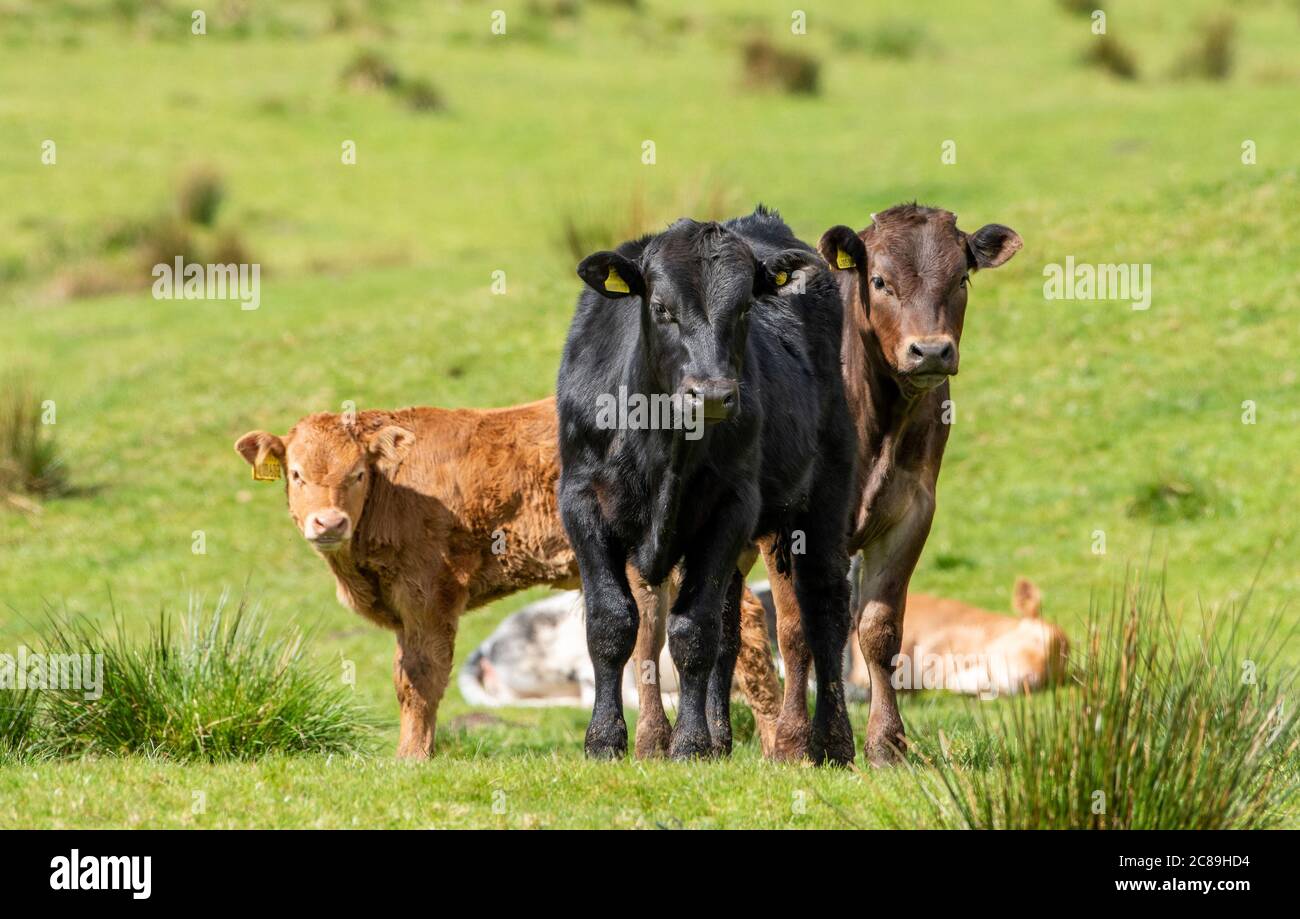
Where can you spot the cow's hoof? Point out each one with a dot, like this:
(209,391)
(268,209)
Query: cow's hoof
(886,749)
(834,749)
(652,736)
(690,744)
(832,739)
(720,747)
(791,742)
(791,748)
(606,741)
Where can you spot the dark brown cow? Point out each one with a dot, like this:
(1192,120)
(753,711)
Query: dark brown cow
(424,513)
(904,284)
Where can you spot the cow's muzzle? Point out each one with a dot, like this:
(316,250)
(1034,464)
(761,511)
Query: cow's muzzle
(927,362)
(715,400)
(328,529)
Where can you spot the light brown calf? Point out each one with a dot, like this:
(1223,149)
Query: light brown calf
(424,513)
(950,645)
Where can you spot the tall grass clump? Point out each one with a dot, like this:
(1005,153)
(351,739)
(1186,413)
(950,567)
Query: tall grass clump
(199,196)
(767,66)
(216,686)
(1078,7)
(18,723)
(31,465)
(1111,55)
(587,225)
(893,38)
(1212,56)
(1175,498)
(1155,732)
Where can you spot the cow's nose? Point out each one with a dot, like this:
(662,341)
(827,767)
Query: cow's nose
(717,400)
(327,526)
(927,356)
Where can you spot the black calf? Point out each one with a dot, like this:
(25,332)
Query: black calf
(739,323)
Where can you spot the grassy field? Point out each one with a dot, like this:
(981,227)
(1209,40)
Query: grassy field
(1073,417)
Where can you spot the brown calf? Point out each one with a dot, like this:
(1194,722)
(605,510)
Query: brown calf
(903,281)
(424,513)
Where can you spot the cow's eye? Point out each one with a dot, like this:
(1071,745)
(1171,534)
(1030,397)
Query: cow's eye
(965,279)
(295,476)
(661,312)
(358,475)
(878,282)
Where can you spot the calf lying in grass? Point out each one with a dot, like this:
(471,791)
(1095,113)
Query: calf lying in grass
(424,513)
(538,655)
(950,645)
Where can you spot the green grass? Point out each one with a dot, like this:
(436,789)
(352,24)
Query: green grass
(30,465)
(377,288)
(1151,732)
(215,684)
(528,765)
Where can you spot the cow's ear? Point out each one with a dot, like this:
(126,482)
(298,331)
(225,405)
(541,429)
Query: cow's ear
(785,272)
(611,275)
(255,446)
(843,249)
(390,444)
(264,452)
(991,245)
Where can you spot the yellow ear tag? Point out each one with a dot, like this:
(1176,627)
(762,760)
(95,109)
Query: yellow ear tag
(615,282)
(268,470)
(781,278)
(843,259)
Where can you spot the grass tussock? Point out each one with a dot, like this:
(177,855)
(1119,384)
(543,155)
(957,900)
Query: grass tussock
(18,723)
(371,71)
(31,464)
(1108,53)
(199,196)
(767,67)
(1154,732)
(215,686)
(129,247)
(588,226)
(1078,7)
(1213,54)
(1175,499)
(899,39)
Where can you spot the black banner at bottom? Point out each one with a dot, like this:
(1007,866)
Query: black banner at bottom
(303,868)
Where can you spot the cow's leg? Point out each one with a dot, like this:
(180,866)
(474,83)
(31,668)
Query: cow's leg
(719,693)
(695,625)
(421,670)
(792,726)
(652,727)
(611,620)
(822,589)
(755,671)
(887,565)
